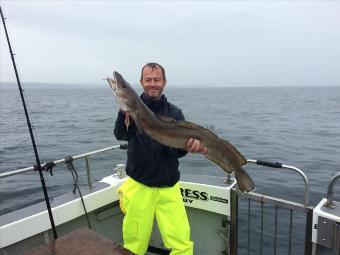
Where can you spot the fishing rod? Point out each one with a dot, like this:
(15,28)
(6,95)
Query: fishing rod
(30,130)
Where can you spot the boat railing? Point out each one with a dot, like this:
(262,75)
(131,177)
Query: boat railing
(85,156)
(256,209)
(282,166)
(264,209)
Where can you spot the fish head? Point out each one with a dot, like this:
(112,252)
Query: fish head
(126,95)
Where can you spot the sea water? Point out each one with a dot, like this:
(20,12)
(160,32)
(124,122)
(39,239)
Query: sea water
(297,126)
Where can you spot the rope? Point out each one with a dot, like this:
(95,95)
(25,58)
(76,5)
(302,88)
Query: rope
(70,167)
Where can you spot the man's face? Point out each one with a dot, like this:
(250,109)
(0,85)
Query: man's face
(153,82)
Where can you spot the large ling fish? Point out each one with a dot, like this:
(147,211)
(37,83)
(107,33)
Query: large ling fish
(176,134)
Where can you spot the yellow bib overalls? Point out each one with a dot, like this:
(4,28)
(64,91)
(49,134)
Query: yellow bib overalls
(140,203)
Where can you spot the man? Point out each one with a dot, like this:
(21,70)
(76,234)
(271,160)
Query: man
(152,187)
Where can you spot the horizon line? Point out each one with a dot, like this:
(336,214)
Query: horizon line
(187,85)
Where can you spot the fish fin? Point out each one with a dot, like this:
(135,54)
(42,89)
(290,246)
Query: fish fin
(127,121)
(244,182)
(190,125)
(139,128)
(166,119)
(242,160)
(135,120)
(185,124)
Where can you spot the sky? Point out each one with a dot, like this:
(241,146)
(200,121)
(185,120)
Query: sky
(199,43)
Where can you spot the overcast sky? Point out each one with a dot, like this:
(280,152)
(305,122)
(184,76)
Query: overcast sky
(220,43)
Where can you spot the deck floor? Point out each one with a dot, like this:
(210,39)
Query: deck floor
(81,242)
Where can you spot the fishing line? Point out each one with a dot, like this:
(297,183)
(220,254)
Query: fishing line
(30,129)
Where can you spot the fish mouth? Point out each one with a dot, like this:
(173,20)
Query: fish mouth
(117,82)
(113,84)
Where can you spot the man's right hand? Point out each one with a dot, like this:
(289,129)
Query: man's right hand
(195,146)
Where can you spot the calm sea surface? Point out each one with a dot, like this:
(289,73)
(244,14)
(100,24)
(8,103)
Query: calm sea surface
(297,126)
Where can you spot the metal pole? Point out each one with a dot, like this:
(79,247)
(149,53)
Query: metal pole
(336,246)
(308,234)
(234,225)
(88,171)
(30,130)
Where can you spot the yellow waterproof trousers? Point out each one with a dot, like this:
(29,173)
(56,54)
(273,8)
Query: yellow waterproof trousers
(140,203)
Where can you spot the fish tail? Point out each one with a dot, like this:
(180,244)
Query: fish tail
(244,182)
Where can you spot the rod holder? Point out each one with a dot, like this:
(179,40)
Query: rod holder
(119,171)
(330,203)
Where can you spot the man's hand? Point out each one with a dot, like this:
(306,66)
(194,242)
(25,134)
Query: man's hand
(127,120)
(195,146)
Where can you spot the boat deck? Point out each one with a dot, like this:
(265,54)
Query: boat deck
(81,241)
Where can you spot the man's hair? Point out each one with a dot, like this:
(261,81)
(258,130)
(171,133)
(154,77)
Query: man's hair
(153,66)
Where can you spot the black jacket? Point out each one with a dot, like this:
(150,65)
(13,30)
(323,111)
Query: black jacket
(148,161)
